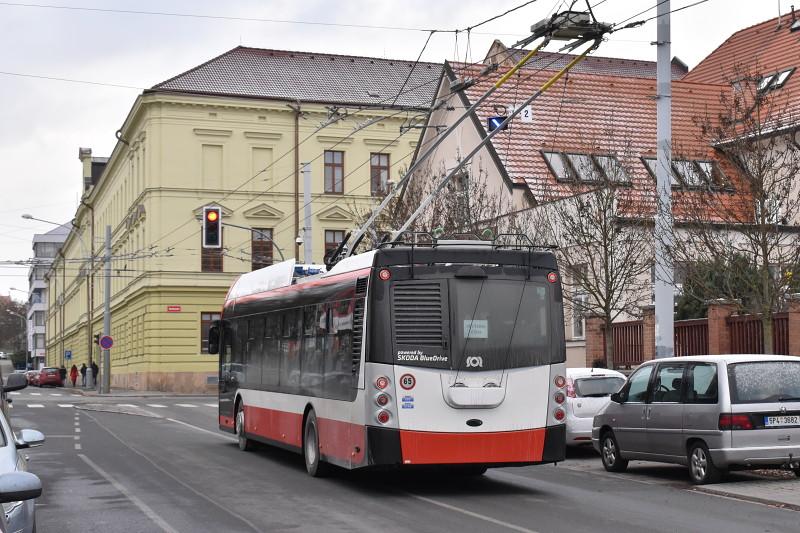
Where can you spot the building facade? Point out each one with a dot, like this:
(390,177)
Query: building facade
(234,132)
(45,248)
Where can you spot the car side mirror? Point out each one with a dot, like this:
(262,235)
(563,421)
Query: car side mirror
(616,398)
(15,382)
(29,438)
(213,340)
(19,486)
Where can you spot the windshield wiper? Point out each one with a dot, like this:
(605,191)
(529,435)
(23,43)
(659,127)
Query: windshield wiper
(789,399)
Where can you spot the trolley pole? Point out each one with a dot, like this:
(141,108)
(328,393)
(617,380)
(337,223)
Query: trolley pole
(106,383)
(664,236)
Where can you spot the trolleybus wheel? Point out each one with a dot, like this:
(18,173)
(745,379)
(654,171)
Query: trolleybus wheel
(245,444)
(314,465)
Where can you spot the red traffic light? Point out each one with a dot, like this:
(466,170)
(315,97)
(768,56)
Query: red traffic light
(212,216)
(212,231)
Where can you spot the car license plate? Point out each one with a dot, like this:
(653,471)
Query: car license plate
(773,421)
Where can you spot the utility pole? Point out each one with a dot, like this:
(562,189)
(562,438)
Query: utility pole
(664,237)
(106,383)
(308,248)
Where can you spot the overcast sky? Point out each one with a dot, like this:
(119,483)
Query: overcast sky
(43,122)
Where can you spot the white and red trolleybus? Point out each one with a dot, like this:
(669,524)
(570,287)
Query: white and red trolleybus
(446,354)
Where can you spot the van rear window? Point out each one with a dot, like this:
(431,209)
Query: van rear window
(765,381)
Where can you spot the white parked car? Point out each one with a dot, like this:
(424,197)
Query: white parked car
(588,391)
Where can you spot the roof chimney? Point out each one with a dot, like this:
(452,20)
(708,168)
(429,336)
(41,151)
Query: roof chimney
(85,155)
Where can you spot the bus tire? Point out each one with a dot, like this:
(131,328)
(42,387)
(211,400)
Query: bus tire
(314,464)
(245,444)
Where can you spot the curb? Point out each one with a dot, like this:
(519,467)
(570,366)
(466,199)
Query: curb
(754,499)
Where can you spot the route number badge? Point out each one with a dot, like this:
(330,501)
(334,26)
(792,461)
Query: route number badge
(407,381)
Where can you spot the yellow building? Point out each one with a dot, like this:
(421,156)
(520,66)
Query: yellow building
(233,132)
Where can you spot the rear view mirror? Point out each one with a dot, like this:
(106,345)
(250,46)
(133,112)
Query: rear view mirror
(616,398)
(15,382)
(29,438)
(19,486)
(213,339)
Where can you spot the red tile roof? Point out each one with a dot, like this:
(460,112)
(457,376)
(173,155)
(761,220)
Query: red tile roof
(599,114)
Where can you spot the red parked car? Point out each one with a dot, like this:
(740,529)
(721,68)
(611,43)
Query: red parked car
(50,376)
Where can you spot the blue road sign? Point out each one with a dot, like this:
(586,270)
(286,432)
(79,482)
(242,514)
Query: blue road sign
(106,342)
(494,123)
(67,354)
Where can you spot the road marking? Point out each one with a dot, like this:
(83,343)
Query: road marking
(216,434)
(126,405)
(155,405)
(185,405)
(66,405)
(211,404)
(78,446)
(15,393)
(36,394)
(77,437)
(472,514)
(77,430)
(160,522)
(55,394)
(35,405)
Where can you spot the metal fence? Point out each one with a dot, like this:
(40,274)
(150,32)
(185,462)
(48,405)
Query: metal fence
(691,337)
(628,342)
(747,333)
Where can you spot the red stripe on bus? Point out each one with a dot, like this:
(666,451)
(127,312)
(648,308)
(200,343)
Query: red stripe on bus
(423,447)
(279,426)
(342,440)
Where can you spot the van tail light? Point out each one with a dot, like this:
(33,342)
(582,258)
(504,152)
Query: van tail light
(730,421)
(571,389)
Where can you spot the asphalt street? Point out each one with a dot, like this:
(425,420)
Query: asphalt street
(158,464)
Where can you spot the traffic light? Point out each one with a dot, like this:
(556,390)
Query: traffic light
(97,338)
(212,227)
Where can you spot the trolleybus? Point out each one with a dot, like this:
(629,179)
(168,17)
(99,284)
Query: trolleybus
(450,353)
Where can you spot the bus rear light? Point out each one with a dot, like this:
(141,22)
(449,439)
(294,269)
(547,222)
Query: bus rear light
(552,277)
(559,397)
(383,417)
(381,383)
(385,274)
(560,381)
(559,414)
(382,399)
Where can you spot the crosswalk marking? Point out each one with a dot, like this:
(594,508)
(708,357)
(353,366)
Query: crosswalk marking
(35,405)
(36,394)
(185,405)
(66,405)
(125,405)
(15,393)
(55,394)
(155,405)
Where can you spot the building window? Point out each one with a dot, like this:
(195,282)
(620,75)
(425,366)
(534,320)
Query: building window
(205,323)
(589,168)
(334,172)
(210,259)
(332,240)
(261,248)
(38,318)
(379,173)
(579,306)
(38,341)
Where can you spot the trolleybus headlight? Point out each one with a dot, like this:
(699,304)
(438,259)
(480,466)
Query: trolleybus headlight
(382,399)
(383,417)
(385,275)
(559,397)
(560,381)
(382,382)
(559,414)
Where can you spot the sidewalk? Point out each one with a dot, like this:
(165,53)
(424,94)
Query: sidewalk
(126,393)
(779,491)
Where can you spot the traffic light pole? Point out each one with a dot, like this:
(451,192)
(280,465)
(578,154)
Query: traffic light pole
(106,381)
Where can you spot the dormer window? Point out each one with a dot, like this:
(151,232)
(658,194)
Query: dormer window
(781,77)
(588,168)
(692,174)
(775,80)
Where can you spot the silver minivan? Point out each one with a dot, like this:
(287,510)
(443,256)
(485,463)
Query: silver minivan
(713,413)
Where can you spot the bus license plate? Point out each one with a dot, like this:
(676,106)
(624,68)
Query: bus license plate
(773,421)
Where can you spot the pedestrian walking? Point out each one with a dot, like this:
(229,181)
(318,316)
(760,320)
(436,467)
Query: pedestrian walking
(62,372)
(73,375)
(95,371)
(83,375)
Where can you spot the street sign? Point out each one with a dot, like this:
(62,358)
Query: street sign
(494,123)
(67,354)
(106,342)
(173,309)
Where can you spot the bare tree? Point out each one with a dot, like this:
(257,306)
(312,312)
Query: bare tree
(744,222)
(603,237)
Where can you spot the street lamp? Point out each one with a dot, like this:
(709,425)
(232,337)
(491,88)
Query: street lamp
(24,332)
(28,216)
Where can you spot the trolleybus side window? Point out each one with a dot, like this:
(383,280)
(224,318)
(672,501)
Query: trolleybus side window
(290,351)
(270,375)
(312,366)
